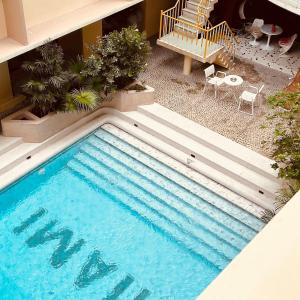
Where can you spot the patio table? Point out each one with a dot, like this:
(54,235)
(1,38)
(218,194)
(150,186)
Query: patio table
(233,81)
(267,29)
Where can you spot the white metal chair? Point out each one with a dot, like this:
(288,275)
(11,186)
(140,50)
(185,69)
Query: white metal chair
(213,78)
(255,31)
(249,97)
(287,43)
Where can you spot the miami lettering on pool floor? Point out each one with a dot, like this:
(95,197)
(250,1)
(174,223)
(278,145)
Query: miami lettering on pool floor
(93,269)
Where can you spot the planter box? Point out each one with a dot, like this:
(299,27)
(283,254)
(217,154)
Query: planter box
(33,129)
(129,100)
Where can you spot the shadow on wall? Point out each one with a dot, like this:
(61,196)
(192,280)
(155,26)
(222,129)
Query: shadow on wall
(229,10)
(130,16)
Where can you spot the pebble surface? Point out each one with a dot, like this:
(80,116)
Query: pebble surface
(184,95)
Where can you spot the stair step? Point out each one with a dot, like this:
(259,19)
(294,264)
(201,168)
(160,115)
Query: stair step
(212,218)
(8,143)
(153,217)
(206,167)
(188,19)
(192,17)
(214,140)
(16,155)
(166,208)
(182,28)
(199,197)
(211,157)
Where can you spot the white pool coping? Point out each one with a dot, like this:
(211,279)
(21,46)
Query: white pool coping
(178,159)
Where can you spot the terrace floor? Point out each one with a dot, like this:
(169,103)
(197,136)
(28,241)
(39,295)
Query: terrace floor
(183,94)
(288,63)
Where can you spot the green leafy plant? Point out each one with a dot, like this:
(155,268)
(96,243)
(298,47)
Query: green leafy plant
(55,85)
(47,79)
(286,142)
(118,58)
(287,134)
(79,100)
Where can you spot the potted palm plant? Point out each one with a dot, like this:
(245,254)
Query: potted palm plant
(57,98)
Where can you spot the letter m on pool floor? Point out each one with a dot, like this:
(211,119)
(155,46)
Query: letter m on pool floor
(64,250)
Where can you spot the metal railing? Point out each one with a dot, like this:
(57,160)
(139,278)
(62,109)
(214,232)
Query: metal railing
(202,35)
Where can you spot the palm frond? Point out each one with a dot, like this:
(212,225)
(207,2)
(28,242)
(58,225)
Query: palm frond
(83,99)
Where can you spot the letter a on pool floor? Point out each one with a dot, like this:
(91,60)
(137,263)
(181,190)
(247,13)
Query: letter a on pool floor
(95,268)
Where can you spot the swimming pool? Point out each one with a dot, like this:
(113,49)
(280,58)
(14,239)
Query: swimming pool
(105,220)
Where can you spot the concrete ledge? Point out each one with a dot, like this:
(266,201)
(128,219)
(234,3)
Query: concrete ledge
(33,129)
(268,268)
(128,100)
(212,139)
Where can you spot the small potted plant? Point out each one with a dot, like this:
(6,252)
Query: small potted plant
(57,98)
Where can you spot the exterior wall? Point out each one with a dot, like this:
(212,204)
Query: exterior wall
(5,87)
(291,5)
(40,11)
(7,100)
(3,30)
(89,36)
(152,10)
(15,21)
(34,22)
(268,268)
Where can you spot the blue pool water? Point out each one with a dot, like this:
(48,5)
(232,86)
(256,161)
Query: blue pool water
(104,220)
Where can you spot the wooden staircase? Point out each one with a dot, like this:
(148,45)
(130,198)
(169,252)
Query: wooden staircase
(186,29)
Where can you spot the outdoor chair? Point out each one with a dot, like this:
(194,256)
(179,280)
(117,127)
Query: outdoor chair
(255,31)
(213,78)
(249,97)
(287,43)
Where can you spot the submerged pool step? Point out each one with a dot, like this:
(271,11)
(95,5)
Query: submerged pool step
(205,214)
(201,197)
(154,218)
(216,141)
(247,182)
(169,213)
(196,219)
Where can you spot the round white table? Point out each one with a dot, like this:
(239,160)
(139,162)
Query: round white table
(267,29)
(233,81)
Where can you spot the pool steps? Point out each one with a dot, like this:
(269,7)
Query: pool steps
(234,166)
(179,205)
(246,181)
(153,217)
(208,156)
(211,139)
(171,215)
(155,169)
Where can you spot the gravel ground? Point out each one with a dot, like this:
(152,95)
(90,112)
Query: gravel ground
(183,94)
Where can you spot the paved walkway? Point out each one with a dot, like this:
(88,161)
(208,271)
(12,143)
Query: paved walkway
(183,94)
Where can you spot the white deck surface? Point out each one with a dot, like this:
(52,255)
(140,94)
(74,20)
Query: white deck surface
(15,163)
(194,46)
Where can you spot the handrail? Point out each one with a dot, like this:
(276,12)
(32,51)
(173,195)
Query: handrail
(173,7)
(202,32)
(228,27)
(186,22)
(202,6)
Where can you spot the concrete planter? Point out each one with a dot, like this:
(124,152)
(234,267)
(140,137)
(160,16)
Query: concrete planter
(33,129)
(129,100)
